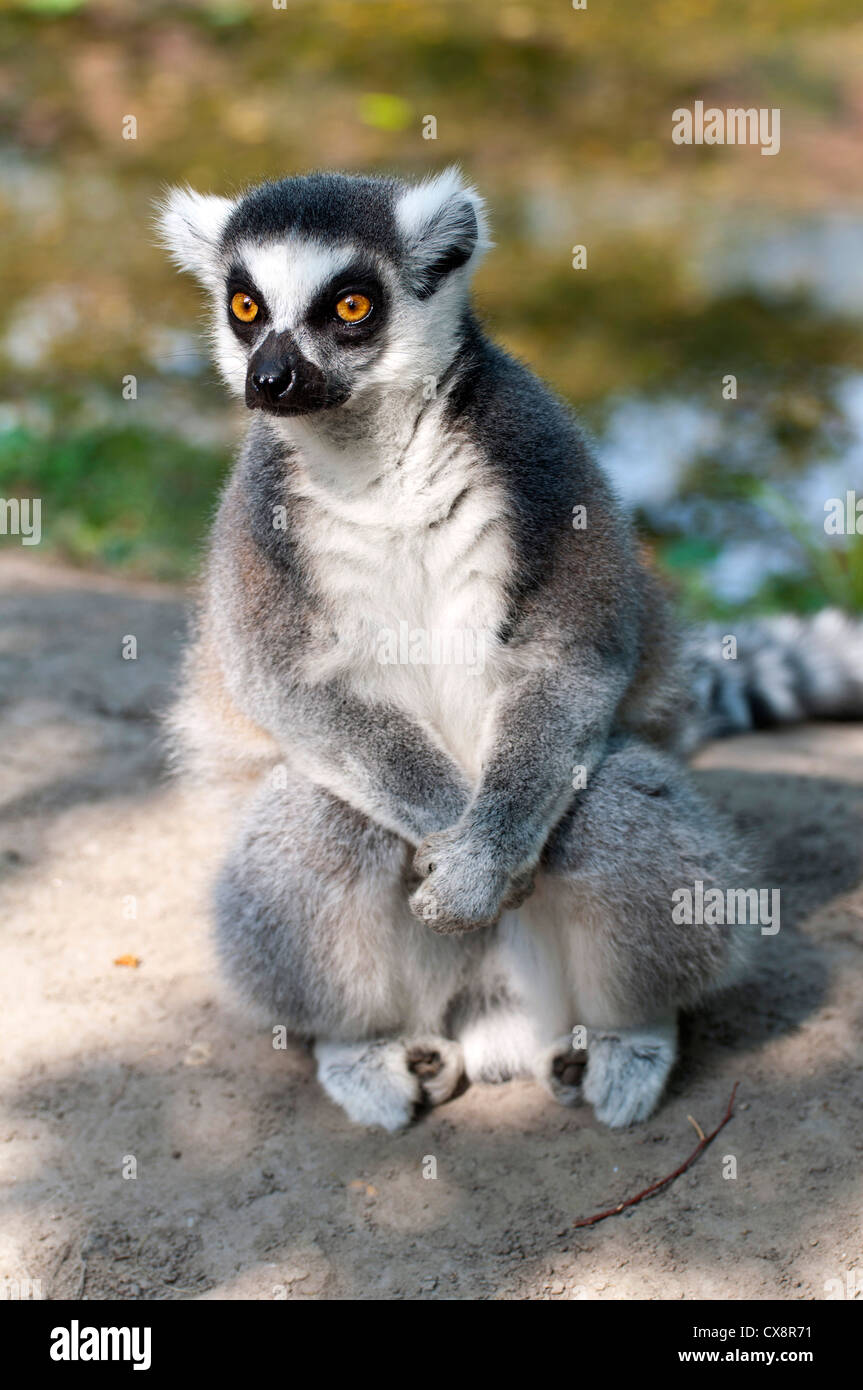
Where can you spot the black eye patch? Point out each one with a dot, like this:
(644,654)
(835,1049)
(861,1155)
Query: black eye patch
(238,281)
(359,278)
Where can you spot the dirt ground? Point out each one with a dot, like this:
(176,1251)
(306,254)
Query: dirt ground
(250,1183)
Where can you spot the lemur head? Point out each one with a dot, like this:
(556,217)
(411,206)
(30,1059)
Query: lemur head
(329,288)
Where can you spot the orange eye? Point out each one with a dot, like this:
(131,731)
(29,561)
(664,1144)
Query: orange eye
(352,308)
(243,307)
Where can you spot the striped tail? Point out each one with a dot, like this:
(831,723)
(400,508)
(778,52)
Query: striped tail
(770,671)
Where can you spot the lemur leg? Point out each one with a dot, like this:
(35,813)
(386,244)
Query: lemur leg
(637,833)
(313,928)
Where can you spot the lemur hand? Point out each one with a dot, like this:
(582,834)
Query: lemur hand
(464,888)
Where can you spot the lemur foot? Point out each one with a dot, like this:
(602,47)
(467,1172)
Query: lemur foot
(439,1065)
(560,1068)
(384,1082)
(627,1069)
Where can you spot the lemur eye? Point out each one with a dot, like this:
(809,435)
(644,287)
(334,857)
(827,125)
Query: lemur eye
(352,308)
(243,307)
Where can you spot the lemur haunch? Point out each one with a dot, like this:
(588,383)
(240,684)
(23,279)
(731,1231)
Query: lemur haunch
(442,865)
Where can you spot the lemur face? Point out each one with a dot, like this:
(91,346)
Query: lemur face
(329,288)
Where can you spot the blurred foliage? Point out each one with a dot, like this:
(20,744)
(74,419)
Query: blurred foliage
(562,118)
(125,496)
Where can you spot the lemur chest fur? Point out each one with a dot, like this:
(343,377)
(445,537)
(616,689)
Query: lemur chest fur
(412,570)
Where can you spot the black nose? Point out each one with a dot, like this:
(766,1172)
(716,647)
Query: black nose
(271,381)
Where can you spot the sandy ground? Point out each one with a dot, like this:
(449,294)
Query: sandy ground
(250,1184)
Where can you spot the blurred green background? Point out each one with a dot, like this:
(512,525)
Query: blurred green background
(702,261)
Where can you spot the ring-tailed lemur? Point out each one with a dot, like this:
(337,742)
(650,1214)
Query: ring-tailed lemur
(432,659)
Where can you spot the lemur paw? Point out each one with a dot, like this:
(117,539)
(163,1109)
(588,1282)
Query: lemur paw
(438,1063)
(560,1069)
(627,1069)
(463,888)
(383,1083)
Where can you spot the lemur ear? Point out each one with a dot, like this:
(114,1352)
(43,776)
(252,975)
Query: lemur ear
(191,226)
(443,226)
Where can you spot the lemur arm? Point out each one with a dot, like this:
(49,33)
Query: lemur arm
(549,725)
(574,643)
(374,758)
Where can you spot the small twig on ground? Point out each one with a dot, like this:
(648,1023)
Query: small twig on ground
(696,1126)
(664,1182)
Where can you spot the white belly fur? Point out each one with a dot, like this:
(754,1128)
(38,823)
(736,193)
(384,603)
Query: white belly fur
(416,598)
